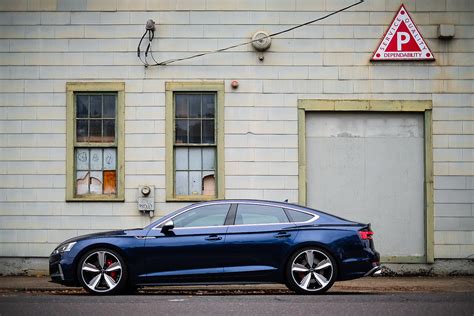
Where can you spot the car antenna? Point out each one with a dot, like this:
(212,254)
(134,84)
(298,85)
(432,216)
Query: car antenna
(286,201)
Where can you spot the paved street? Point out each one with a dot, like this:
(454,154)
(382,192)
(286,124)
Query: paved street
(335,303)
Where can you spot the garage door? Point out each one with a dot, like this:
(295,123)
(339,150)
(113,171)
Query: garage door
(369,167)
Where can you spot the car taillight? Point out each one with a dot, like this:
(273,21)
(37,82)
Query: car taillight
(366,234)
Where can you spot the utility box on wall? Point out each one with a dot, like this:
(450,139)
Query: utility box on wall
(146,199)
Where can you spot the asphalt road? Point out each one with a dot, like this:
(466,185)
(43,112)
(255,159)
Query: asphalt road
(330,304)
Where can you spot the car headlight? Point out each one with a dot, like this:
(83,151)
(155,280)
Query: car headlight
(64,247)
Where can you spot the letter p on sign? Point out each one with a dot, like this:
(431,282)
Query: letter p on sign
(402,38)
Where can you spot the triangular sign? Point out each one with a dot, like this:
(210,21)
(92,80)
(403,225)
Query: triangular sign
(402,41)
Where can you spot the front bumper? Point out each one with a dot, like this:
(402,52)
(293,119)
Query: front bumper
(61,269)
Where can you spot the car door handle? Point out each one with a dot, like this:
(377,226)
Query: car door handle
(213,237)
(282,235)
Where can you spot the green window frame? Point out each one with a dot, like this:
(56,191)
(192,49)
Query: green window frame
(204,88)
(74,145)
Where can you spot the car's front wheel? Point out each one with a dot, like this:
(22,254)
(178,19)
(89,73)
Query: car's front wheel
(311,271)
(102,271)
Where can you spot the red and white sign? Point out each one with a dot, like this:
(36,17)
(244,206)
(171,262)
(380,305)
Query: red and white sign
(402,41)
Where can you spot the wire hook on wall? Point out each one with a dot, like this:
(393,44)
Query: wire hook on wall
(150,31)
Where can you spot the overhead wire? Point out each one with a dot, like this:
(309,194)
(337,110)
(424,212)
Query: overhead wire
(174,60)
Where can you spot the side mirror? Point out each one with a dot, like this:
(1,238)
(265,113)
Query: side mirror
(169,225)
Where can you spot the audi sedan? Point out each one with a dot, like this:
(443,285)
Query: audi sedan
(226,241)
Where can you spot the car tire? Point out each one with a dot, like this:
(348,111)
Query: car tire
(102,271)
(310,270)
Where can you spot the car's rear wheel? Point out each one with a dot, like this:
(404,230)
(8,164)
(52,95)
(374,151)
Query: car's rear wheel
(102,271)
(311,271)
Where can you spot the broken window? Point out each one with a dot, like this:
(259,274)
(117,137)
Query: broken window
(195,144)
(95,144)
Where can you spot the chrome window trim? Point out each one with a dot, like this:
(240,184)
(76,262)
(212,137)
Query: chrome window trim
(315,216)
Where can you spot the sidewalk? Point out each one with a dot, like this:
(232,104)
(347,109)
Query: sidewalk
(363,285)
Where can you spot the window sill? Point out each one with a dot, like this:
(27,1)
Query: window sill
(96,199)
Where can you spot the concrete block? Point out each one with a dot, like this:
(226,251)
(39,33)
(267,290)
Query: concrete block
(115,18)
(461,141)
(310,5)
(454,223)
(72,5)
(14,5)
(131,5)
(447,127)
(280,5)
(61,18)
(446,154)
(453,251)
(244,194)
(453,238)
(451,182)
(331,31)
(281,195)
(85,18)
(453,209)
(239,154)
(102,5)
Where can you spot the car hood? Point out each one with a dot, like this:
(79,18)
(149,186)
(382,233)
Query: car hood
(112,233)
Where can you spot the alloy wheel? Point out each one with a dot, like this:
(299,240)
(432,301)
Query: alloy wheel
(312,270)
(101,271)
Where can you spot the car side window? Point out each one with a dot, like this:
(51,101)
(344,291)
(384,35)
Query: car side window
(299,216)
(209,215)
(248,214)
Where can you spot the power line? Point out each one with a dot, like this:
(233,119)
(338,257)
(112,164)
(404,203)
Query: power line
(170,61)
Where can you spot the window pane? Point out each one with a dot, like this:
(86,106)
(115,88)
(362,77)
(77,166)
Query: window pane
(195,159)
(194,105)
(181,158)
(195,183)
(109,131)
(95,133)
(208,132)
(109,106)
(299,216)
(95,186)
(259,214)
(82,130)
(110,182)
(96,159)
(82,182)
(181,105)
(181,183)
(96,106)
(181,131)
(208,105)
(82,106)
(211,215)
(208,159)
(82,159)
(194,131)
(110,159)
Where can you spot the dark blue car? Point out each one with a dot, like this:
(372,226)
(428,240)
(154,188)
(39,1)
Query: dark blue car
(226,241)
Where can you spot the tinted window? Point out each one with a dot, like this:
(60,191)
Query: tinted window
(211,215)
(299,216)
(259,214)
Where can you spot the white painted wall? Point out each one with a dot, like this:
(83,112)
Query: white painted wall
(45,43)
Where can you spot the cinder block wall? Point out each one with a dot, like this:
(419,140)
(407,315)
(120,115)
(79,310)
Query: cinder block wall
(46,43)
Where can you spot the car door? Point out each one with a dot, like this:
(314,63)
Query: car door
(258,241)
(192,250)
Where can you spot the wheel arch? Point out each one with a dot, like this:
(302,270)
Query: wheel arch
(99,245)
(308,244)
